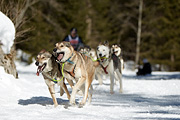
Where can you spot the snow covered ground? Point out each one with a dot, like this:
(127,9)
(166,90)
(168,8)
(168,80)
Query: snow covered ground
(153,97)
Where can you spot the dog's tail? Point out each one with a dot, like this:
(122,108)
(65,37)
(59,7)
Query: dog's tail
(96,63)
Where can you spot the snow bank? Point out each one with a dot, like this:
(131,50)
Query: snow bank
(7,33)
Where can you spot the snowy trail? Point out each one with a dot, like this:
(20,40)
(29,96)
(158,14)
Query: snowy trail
(155,97)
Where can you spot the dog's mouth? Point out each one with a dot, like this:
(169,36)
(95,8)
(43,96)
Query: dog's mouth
(115,52)
(40,68)
(103,58)
(60,56)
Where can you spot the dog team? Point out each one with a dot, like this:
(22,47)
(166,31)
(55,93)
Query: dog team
(79,69)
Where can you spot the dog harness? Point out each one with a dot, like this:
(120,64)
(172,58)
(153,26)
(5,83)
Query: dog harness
(69,61)
(104,68)
(55,79)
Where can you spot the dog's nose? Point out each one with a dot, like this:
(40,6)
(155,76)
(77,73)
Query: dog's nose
(100,55)
(37,63)
(55,49)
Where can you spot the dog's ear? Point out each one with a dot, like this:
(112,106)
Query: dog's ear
(106,43)
(43,51)
(67,44)
(100,43)
(48,54)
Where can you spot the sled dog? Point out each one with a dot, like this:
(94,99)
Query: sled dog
(107,64)
(77,67)
(118,62)
(116,50)
(47,64)
(85,50)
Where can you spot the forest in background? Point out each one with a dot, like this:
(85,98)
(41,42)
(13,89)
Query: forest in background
(49,21)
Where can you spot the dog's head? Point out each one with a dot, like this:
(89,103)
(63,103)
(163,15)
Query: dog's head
(62,51)
(84,50)
(115,49)
(92,53)
(42,60)
(103,51)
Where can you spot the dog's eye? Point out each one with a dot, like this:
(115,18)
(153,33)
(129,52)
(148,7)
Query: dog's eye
(62,45)
(43,57)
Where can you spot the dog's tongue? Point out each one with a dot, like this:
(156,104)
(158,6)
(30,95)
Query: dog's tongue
(38,70)
(37,73)
(60,56)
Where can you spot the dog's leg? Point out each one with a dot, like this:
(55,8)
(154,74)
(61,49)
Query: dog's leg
(87,85)
(50,85)
(75,88)
(112,83)
(52,92)
(82,88)
(99,76)
(61,91)
(120,81)
(90,94)
(70,82)
(63,85)
(116,77)
(111,73)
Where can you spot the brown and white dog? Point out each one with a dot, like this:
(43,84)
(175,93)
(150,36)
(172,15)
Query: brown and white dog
(47,64)
(77,67)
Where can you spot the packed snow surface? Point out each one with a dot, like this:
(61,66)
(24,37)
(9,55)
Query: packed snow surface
(152,97)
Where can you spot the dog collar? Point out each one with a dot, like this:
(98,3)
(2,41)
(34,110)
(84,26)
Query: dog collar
(68,60)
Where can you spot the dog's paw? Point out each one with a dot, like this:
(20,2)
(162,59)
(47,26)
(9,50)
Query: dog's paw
(82,103)
(80,106)
(112,92)
(55,105)
(72,102)
(120,91)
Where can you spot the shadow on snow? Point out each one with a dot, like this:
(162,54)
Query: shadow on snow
(154,76)
(42,101)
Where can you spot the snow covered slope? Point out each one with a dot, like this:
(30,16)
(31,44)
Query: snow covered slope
(154,97)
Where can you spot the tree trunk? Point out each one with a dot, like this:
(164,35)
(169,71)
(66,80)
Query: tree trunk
(88,21)
(139,32)
(7,61)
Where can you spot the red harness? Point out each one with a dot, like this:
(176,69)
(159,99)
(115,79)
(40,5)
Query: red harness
(104,68)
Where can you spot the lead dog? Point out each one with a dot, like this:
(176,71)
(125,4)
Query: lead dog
(77,67)
(47,64)
(107,64)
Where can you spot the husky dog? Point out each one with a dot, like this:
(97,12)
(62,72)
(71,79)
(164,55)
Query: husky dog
(99,70)
(77,67)
(108,65)
(92,54)
(118,62)
(50,70)
(116,50)
(85,50)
